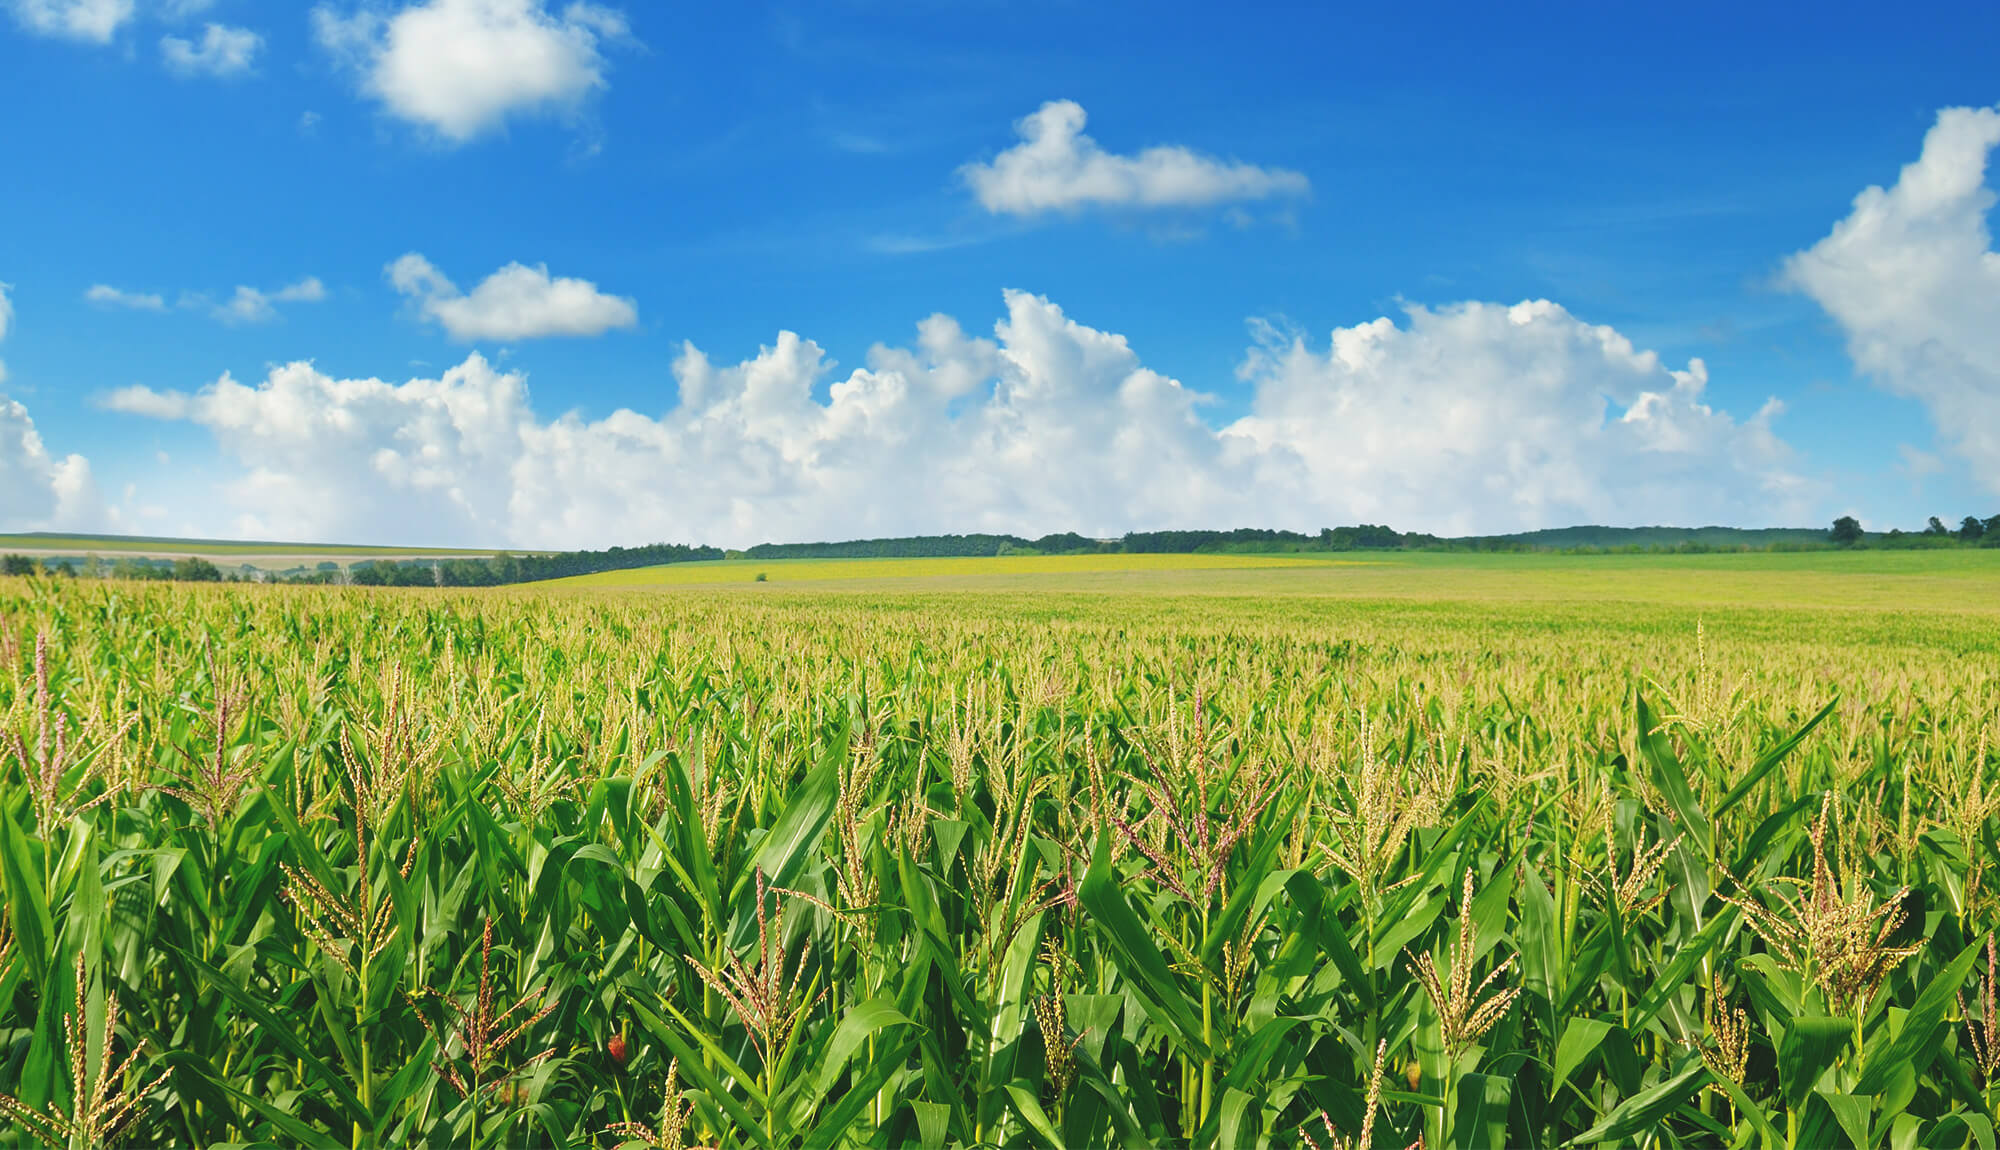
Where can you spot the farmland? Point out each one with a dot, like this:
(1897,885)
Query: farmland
(1105,850)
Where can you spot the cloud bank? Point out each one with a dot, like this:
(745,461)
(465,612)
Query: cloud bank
(516,302)
(1056,167)
(37,490)
(1912,278)
(1470,417)
(460,68)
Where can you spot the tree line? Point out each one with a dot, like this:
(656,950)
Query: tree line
(1972,531)
(495,571)
(505,568)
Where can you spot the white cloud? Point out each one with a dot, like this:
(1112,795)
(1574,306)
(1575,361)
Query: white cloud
(461,67)
(516,302)
(223,51)
(37,490)
(1472,417)
(139,399)
(250,305)
(1481,417)
(1056,167)
(93,21)
(1912,278)
(105,295)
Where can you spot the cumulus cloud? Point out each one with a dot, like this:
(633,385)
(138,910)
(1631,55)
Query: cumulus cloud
(1481,414)
(516,302)
(223,51)
(104,295)
(37,490)
(1472,417)
(461,67)
(92,21)
(1913,280)
(250,305)
(1056,167)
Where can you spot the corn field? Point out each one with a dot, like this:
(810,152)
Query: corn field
(351,868)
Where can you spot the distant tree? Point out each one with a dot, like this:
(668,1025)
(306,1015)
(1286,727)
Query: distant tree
(1936,527)
(1366,535)
(1846,531)
(17,565)
(195,569)
(1970,529)
(1993,526)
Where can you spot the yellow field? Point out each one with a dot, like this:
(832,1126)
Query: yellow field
(1896,581)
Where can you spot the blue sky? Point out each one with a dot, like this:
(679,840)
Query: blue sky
(709,176)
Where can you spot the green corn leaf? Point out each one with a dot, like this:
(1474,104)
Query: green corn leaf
(1645,1110)
(1480,1122)
(797,833)
(27,899)
(698,1072)
(1770,759)
(1811,1044)
(829,1128)
(1686,961)
(1852,1112)
(296,1131)
(270,1026)
(857,1025)
(1233,1134)
(1030,1109)
(933,1123)
(1309,895)
(1672,779)
(1917,1043)
(1580,1039)
(1138,957)
(1747,1107)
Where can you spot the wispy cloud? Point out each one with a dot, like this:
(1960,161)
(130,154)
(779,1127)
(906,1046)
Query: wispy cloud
(104,295)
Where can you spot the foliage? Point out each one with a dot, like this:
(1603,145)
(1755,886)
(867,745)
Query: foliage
(344,867)
(504,568)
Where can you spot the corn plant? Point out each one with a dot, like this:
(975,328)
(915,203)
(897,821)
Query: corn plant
(370,868)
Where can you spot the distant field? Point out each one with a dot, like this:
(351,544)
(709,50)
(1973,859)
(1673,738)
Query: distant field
(1003,566)
(258,554)
(1945,580)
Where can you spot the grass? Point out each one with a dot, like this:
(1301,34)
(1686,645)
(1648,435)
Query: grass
(1478,850)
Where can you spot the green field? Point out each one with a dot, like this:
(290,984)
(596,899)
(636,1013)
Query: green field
(1482,850)
(1022,570)
(1966,580)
